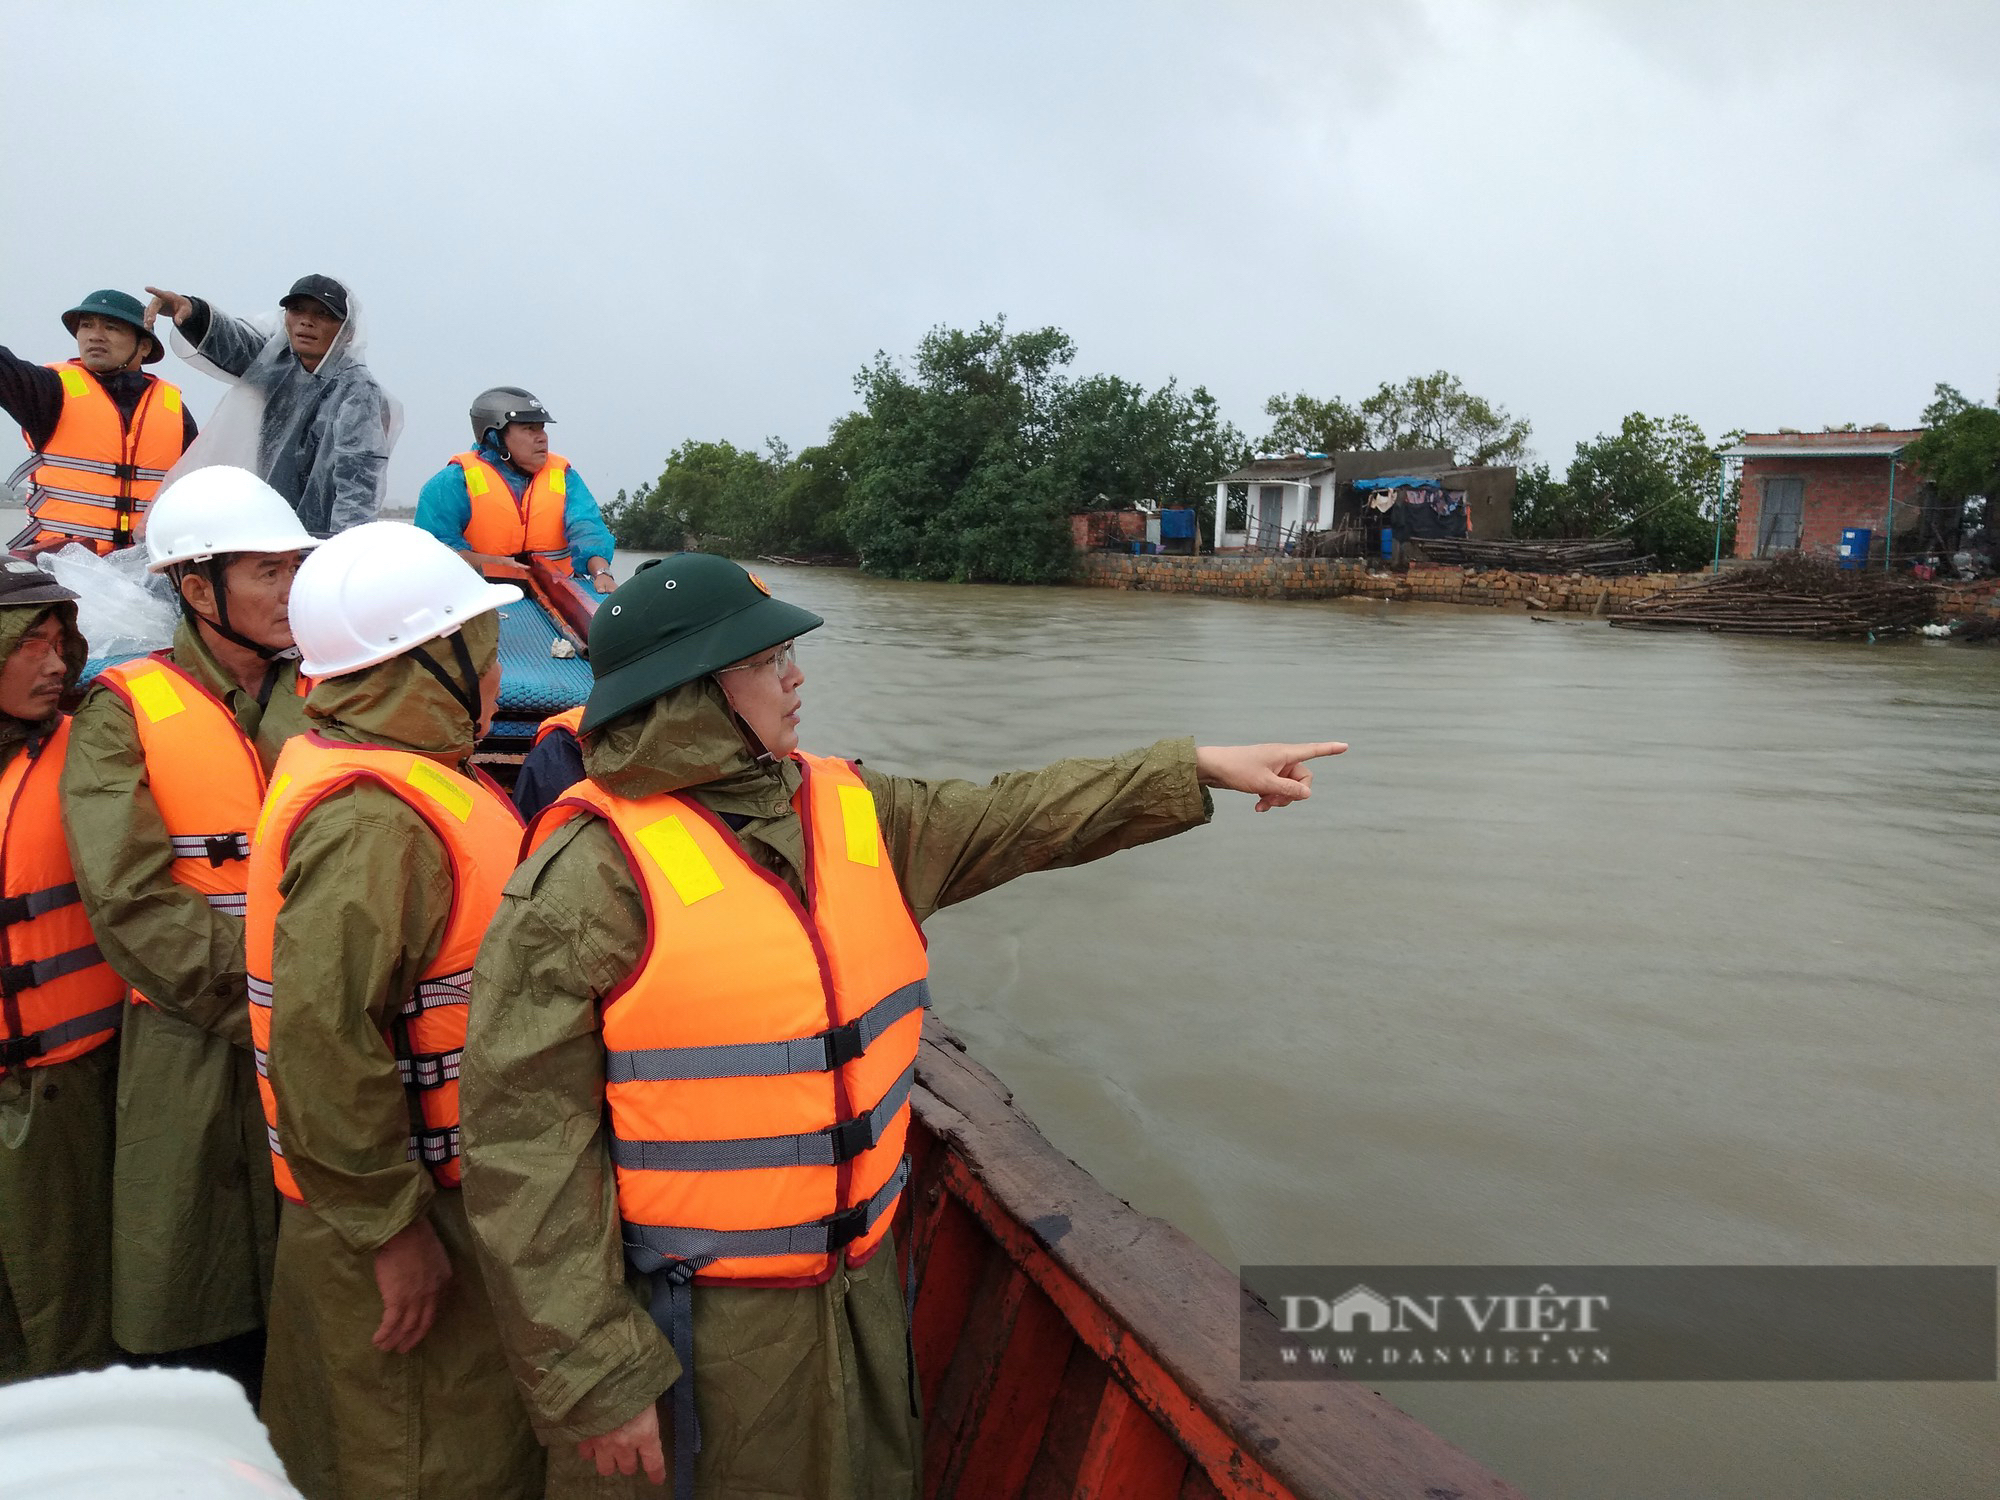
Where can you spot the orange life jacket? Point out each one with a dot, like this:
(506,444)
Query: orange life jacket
(98,473)
(481,834)
(58,997)
(760,1057)
(510,527)
(203,773)
(569,718)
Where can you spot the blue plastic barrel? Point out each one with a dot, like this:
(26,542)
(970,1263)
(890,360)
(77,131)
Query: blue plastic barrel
(1854,544)
(1388,542)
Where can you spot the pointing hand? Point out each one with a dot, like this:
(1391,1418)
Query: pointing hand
(173,304)
(1275,774)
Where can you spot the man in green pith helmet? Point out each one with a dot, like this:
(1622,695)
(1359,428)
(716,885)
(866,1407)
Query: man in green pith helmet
(684,1128)
(101,432)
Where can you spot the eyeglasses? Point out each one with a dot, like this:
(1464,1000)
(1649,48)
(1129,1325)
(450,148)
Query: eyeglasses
(779,662)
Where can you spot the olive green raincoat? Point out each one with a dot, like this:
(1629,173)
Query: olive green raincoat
(367,894)
(55,1158)
(194,1216)
(800,1392)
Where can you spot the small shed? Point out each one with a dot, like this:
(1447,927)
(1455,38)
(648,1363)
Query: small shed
(1282,498)
(1801,490)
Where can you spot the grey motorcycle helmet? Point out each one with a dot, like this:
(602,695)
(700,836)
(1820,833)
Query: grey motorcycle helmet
(494,408)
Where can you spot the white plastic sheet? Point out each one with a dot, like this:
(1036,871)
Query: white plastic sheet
(121,609)
(124,1434)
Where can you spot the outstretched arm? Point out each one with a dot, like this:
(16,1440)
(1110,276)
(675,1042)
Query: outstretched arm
(230,344)
(952,840)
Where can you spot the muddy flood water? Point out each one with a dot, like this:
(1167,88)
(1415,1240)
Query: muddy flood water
(1597,947)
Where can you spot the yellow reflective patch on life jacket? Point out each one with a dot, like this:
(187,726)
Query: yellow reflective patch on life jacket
(73,382)
(170,397)
(864,833)
(680,859)
(559,481)
(278,789)
(434,784)
(475,483)
(155,696)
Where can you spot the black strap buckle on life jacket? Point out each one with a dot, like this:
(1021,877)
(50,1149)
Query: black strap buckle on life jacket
(14,911)
(18,1050)
(15,978)
(124,471)
(843,1044)
(225,847)
(847,1226)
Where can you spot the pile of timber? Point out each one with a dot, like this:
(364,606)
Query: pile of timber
(1802,596)
(1600,556)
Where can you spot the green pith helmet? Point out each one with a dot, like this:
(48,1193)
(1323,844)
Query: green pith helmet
(126,309)
(676,619)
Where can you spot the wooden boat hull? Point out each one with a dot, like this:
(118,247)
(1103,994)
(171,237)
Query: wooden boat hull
(1067,1345)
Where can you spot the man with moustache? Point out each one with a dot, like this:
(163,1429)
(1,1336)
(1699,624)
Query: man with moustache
(60,1005)
(168,760)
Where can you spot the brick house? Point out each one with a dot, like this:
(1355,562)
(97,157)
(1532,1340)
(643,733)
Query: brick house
(1802,489)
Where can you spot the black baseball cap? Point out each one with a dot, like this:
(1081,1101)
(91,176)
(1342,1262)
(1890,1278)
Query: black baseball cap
(21,582)
(324,290)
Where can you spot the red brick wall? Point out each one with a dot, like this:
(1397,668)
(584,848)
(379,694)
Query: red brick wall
(1840,492)
(1106,528)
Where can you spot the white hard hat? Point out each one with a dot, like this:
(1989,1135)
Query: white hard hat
(374,592)
(216,510)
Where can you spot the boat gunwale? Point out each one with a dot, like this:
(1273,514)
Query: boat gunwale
(1161,1312)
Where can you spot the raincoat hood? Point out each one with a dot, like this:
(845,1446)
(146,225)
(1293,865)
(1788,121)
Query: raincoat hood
(399,704)
(688,740)
(16,623)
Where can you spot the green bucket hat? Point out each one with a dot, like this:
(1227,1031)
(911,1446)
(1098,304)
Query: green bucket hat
(126,309)
(676,619)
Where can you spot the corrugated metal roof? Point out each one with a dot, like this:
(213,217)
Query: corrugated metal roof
(1868,442)
(1802,450)
(1272,470)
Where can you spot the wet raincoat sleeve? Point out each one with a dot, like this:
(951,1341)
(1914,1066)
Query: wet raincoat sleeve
(367,891)
(161,936)
(539,1187)
(361,435)
(228,343)
(443,507)
(951,840)
(584,524)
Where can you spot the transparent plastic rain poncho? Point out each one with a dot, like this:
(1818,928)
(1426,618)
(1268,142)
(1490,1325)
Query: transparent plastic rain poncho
(321,438)
(121,608)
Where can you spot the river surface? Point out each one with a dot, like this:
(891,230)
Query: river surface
(1597,947)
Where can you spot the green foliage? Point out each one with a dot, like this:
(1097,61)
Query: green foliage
(1306,424)
(640,521)
(1436,411)
(956,479)
(1425,411)
(975,460)
(1960,453)
(1654,480)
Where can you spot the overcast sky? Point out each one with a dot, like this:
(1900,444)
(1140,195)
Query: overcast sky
(678,222)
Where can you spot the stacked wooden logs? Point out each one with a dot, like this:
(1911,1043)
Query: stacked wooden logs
(1800,596)
(1603,557)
